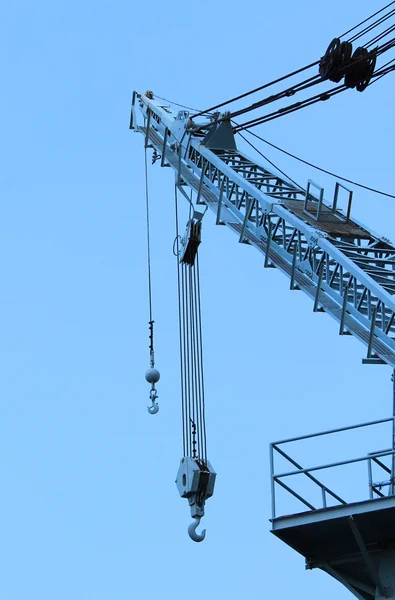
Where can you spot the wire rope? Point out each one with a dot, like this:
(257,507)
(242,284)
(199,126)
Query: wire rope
(307,83)
(191,351)
(266,158)
(368,19)
(380,36)
(379,74)
(291,108)
(370,189)
(180,329)
(203,403)
(148,235)
(258,89)
(372,26)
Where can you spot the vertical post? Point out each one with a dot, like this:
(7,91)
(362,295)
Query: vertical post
(272,483)
(370,475)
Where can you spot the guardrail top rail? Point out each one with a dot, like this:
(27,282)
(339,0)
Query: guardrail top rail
(372,458)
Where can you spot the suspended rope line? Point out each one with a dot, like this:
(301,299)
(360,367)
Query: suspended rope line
(152,375)
(380,36)
(147,217)
(296,72)
(266,158)
(180,296)
(372,26)
(356,81)
(192,386)
(366,20)
(190,338)
(258,89)
(200,363)
(291,108)
(307,83)
(382,72)
(195,478)
(370,189)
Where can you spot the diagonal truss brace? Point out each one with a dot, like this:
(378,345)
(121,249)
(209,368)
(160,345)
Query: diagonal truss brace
(366,556)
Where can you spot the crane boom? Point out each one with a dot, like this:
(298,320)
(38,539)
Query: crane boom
(346,269)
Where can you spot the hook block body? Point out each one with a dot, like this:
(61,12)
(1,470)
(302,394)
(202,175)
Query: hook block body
(195,481)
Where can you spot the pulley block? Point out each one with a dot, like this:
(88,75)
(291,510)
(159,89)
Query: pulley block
(335,59)
(361,69)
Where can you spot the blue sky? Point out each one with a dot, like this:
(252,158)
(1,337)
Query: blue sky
(89,506)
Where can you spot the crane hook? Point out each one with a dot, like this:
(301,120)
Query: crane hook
(152,376)
(153,409)
(196,537)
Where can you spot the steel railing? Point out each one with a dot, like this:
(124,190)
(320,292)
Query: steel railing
(371,458)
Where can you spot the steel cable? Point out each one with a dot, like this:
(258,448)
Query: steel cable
(380,36)
(258,89)
(191,355)
(147,216)
(370,189)
(372,26)
(180,328)
(291,108)
(366,20)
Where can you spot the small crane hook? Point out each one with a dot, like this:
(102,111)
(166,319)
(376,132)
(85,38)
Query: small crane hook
(196,537)
(152,376)
(153,409)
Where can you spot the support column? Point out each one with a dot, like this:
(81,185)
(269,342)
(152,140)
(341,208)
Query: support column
(387,577)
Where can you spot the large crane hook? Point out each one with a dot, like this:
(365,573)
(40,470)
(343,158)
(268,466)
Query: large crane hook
(196,537)
(195,481)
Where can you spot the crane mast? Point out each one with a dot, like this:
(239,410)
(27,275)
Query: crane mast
(347,270)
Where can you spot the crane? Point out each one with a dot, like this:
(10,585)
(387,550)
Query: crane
(346,269)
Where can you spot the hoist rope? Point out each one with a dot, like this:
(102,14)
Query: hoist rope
(366,20)
(380,74)
(191,354)
(148,236)
(380,36)
(372,26)
(313,64)
(313,99)
(266,158)
(291,108)
(180,329)
(303,85)
(258,89)
(370,189)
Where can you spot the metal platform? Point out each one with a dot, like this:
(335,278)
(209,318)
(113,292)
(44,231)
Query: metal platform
(348,542)
(354,542)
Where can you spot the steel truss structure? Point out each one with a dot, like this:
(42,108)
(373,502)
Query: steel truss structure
(346,269)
